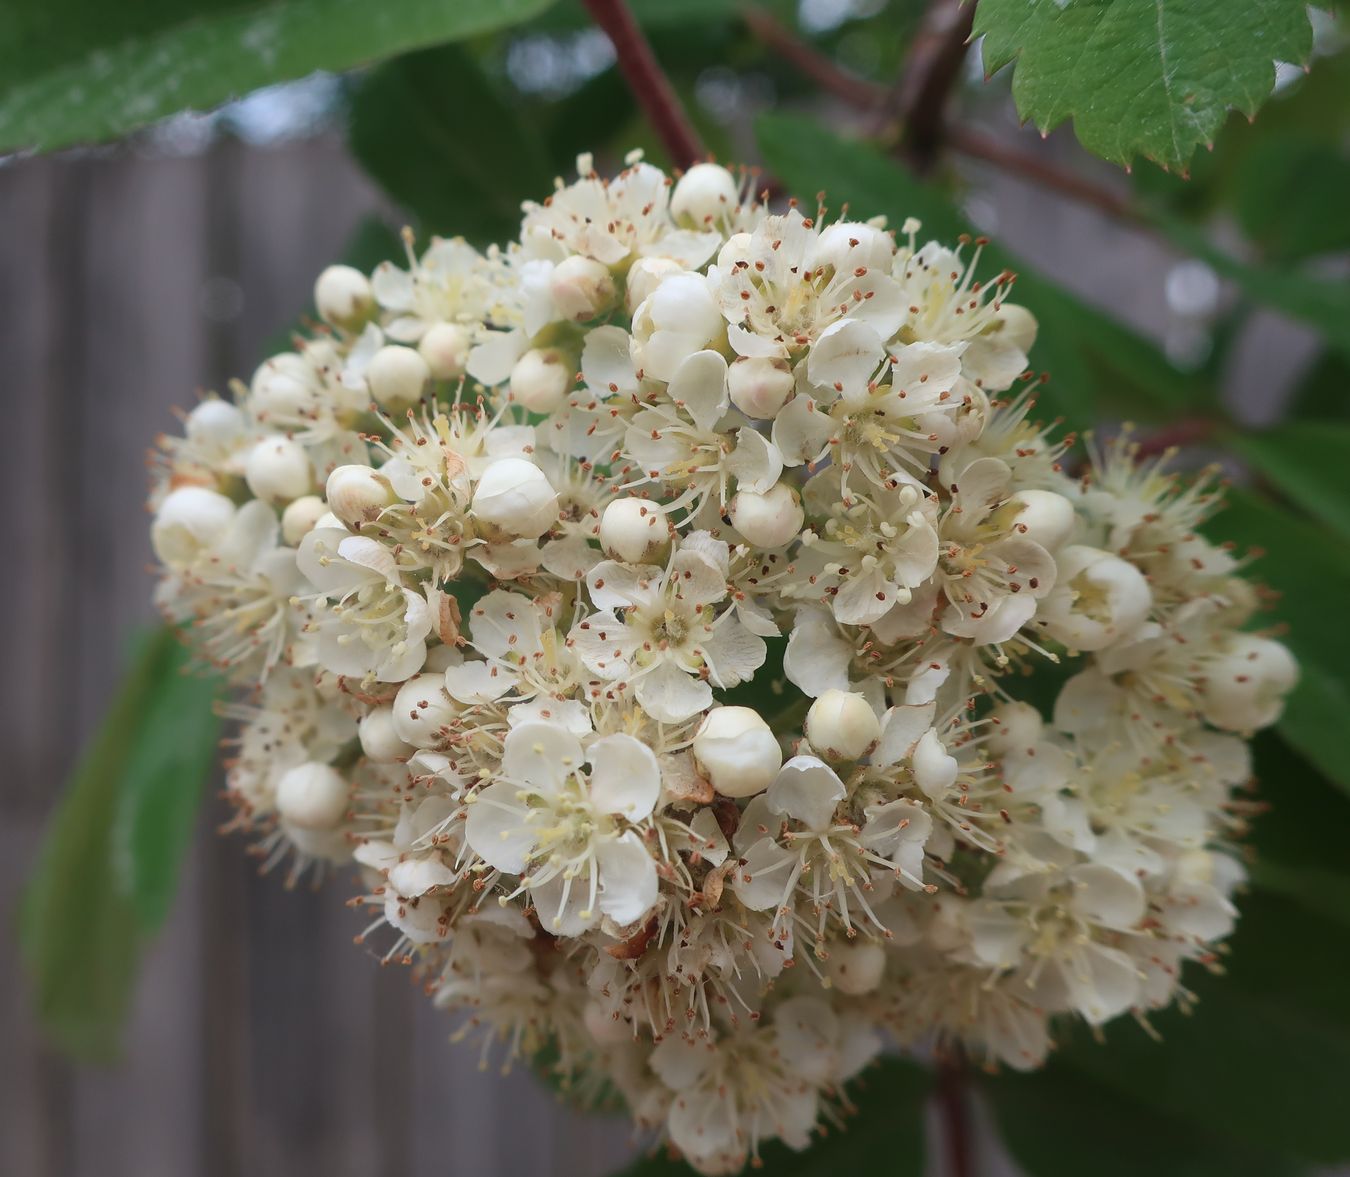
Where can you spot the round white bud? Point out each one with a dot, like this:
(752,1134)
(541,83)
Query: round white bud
(1044,517)
(445,348)
(842,725)
(644,276)
(312,796)
(857,966)
(1245,686)
(343,296)
(300,518)
(581,288)
(635,531)
(737,752)
(514,495)
(1098,599)
(1016,728)
(423,709)
(704,195)
(283,386)
(378,738)
(277,470)
(189,521)
(357,494)
(397,376)
(1017,326)
(541,379)
(767,520)
(759,386)
(215,426)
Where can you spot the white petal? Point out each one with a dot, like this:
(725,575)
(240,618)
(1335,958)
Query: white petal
(478,682)
(669,695)
(760,881)
(628,882)
(497,830)
(755,463)
(625,776)
(700,385)
(733,653)
(807,789)
(607,363)
(845,357)
(541,756)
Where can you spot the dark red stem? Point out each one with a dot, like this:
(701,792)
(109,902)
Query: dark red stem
(953,1102)
(931,71)
(648,81)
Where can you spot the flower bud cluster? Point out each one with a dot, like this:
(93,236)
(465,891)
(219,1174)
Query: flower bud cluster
(643,609)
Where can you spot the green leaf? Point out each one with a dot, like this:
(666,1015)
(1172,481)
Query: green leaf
(1058,1123)
(1150,77)
(443,140)
(90,903)
(1092,359)
(80,70)
(1321,303)
(1324,390)
(1310,570)
(1307,462)
(887,1123)
(1290,197)
(1261,1059)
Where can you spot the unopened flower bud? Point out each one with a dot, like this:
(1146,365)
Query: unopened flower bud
(357,494)
(759,386)
(541,379)
(857,966)
(514,495)
(1245,686)
(277,470)
(1044,517)
(379,739)
(635,531)
(282,386)
(312,796)
(445,348)
(422,710)
(189,521)
(737,752)
(397,376)
(300,518)
(215,426)
(1016,727)
(768,520)
(703,196)
(842,725)
(343,297)
(644,276)
(849,245)
(1098,599)
(582,288)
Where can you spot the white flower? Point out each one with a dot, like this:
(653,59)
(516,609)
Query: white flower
(571,834)
(670,644)
(1097,600)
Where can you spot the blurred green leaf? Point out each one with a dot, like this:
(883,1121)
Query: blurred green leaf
(78,70)
(887,1122)
(1058,1123)
(1309,462)
(1322,303)
(1259,1062)
(441,138)
(1092,359)
(1141,76)
(1324,390)
(1310,570)
(1290,195)
(90,901)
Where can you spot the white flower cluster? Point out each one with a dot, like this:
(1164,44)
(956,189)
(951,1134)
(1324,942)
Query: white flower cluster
(643,607)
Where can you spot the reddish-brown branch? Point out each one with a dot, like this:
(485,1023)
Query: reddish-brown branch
(648,81)
(931,71)
(810,62)
(1187,431)
(978,145)
(953,1103)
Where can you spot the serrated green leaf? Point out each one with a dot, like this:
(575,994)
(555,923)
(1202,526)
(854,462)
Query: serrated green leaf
(435,131)
(1309,570)
(1092,360)
(89,904)
(1141,77)
(885,1129)
(1307,462)
(79,70)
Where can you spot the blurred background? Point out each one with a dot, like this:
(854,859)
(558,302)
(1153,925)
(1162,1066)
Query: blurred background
(136,274)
